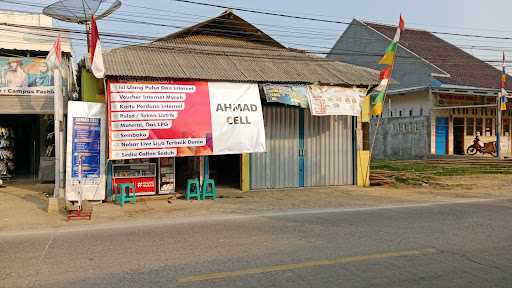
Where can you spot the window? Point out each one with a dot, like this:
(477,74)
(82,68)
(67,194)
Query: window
(400,113)
(410,112)
(479,126)
(470,126)
(421,111)
(391,113)
(506,127)
(418,127)
(488,126)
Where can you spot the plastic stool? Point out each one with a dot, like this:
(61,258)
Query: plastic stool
(193,189)
(209,189)
(123,193)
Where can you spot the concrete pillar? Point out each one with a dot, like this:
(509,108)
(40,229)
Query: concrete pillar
(450,135)
(433,133)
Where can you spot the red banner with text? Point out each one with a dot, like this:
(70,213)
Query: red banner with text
(173,119)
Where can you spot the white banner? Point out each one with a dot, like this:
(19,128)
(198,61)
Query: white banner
(237,118)
(332,100)
(85,157)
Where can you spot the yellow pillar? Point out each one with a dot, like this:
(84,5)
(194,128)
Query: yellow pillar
(363,145)
(245,179)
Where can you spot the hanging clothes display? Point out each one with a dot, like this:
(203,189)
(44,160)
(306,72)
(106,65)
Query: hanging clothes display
(6,152)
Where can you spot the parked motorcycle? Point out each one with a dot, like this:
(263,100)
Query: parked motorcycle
(479,147)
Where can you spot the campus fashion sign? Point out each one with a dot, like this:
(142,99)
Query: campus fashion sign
(25,76)
(332,100)
(287,94)
(85,161)
(182,118)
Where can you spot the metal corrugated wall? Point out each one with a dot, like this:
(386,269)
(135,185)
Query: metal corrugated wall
(279,166)
(328,150)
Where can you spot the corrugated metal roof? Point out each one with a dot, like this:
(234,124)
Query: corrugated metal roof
(193,61)
(208,55)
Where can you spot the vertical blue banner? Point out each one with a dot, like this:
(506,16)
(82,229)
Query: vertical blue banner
(86,146)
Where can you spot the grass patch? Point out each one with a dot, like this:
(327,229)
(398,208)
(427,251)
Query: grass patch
(417,173)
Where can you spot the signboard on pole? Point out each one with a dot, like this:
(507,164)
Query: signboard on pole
(85,163)
(183,118)
(333,100)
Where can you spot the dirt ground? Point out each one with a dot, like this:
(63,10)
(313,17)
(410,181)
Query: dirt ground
(24,206)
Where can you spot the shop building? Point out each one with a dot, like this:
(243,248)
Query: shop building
(27,96)
(240,60)
(442,99)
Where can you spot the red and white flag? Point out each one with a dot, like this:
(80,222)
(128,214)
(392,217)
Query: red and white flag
(54,57)
(401,28)
(96,57)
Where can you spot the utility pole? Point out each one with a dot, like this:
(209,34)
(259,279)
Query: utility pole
(500,106)
(58,129)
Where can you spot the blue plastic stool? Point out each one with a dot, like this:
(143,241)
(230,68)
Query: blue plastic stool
(123,194)
(193,189)
(209,189)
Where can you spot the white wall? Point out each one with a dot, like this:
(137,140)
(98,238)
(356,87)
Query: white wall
(418,102)
(29,39)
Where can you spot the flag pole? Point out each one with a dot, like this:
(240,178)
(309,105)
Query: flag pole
(498,126)
(498,111)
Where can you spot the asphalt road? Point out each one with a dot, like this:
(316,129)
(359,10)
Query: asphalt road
(447,245)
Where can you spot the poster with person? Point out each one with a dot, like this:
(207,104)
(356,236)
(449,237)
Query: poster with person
(25,76)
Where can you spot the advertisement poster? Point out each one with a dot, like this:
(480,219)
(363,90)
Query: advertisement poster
(85,153)
(24,76)
(174,119)
(143,185)
(332,100)
(287,94)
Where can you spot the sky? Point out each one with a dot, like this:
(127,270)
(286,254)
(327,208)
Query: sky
(469,17)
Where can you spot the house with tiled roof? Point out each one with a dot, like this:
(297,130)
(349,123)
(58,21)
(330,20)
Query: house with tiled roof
(442,96)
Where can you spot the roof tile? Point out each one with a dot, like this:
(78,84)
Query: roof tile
(464,69)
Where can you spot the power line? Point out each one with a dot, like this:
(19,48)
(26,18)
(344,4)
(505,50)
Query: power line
(468,35)
(190,50)
(138,37)
(125,20)
(314,52)
(327,20)
(263,12)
